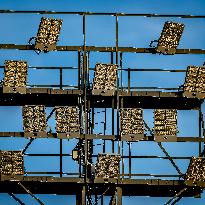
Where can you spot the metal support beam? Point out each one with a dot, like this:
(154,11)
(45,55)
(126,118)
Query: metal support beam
(175,196)
(119,196)
(32,195)
(98,13)
(164,150)
(103,49)
(27,146)
(16,199)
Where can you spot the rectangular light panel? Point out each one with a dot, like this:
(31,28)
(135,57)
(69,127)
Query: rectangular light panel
(15,73)
(105,78)
(194,85)
(170,37)
(107,166)
(196,170)
(165,122)
(34,118)
(67,119)
(131,120)
(48,33)
(11,163)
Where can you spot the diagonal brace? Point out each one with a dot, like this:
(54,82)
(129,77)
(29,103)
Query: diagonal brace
(32,195)
(16,198)
(164,150)
(32,139)
(175,197)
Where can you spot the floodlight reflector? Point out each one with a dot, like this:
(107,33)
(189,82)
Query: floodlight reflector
(67,119)
(194,85)
(11,163)
(165,123)
(107,166)
(104,79)
(34,118)
(131,123)
(15,76)
(48,33)
(170,37)
(196,170)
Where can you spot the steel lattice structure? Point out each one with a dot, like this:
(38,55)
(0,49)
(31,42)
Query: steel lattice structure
(84,184)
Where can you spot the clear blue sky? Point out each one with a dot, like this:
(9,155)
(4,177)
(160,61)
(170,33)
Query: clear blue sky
(134,31)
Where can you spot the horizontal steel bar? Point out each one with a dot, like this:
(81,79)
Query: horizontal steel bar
(47,155)
(102,49)
(148,88)
(151,157)
(153,175)
(72,185)
(124,69)
(100,13)
(64,173)
(154,70)
(50,67)
(95,136)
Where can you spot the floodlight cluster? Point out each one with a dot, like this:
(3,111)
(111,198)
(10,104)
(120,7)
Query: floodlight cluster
(11,163)
(67,119)
(48,32)
(34,118)
(170,37)
(196,169)
(15,73)
(131,121)
(165,122)
(195,79)
(107,166)
(105,77)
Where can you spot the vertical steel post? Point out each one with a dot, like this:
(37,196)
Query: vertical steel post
(61,141)
(85,108)
(79,70)
(130,160)
(200,125)
(113,113)
(128,76)
(116,41)
(119,196)
(121,70)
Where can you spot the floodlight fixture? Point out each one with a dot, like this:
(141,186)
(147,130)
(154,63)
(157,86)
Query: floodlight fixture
(107,166)
(67,119)
(15,76)
(11,163)
(196,172)
(131,124)
(34,119)
(165,124)
(105,77)
(48,34)
(194,85)
(170,37)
